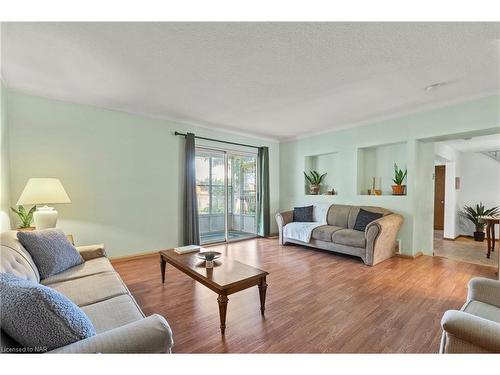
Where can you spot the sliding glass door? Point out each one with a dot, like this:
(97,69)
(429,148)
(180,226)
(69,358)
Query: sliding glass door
(226,190)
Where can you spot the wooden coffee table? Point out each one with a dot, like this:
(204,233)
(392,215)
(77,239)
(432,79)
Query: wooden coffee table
(227,277)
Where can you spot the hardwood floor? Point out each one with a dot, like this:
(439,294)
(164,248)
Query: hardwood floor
(317,302)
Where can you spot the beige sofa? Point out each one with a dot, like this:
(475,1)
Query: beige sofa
(374,245)
(100,292)
(476,327)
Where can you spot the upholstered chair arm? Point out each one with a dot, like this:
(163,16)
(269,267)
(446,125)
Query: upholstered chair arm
(149,335)
(465,331)
(283,218)
(484,290)
(91,251)
(381,238)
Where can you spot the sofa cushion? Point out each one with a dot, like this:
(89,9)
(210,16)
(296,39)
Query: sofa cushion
(364,218)
(349,237)
(88,268)
(38,316)
(15,259)
(338,215)
(353,214)
(51,251)
(483,310)
(324,233)
(112,313)
(91,289)
(303,214)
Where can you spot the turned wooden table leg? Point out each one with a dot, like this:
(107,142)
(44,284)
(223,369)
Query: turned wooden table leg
(488,239)
(492,237)
(222,300)
(163,264)
(262,294)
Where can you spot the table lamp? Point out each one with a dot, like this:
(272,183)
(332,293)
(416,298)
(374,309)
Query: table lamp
(43,191)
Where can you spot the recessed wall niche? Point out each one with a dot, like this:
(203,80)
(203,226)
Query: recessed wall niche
(323,163)
(377,162)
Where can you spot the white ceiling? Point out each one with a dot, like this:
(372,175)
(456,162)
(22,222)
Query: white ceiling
(273,80)
(476,144)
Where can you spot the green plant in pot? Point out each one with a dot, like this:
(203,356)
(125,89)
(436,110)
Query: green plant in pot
(399,177)
(473,214)
(26,217)
(315,180)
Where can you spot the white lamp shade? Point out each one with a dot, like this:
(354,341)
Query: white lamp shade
(43,191)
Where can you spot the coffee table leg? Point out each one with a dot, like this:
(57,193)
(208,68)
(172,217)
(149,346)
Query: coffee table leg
(222,300)
(162,268)
(262,294)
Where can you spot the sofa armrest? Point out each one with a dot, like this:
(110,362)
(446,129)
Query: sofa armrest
(381,238)
(471,329)
(283,218)
(484,290)
(91,251)
(148,335)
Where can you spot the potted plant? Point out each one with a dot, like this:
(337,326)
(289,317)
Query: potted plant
(314,179)
(399,176)
(26,217)
(474,215)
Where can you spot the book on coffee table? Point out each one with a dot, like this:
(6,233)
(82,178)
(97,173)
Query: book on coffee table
(187,249)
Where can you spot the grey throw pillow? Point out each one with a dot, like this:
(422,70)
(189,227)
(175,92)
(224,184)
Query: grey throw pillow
(303,214)
(51,251)
(37,316)
(364,218)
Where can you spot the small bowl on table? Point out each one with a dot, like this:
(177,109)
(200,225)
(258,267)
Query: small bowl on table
(209,257)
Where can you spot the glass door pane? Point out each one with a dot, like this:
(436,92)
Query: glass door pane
(242,203)
(211,194)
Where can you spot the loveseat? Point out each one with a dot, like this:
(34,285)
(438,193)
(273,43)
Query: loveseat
(373,245)
(99,291)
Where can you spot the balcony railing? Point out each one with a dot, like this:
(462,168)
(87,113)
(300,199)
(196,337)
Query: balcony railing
(239,225)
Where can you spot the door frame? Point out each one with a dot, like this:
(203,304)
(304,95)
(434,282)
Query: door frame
(227,152)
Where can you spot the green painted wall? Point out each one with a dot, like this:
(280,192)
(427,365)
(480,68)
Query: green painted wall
(122,172)
(474,117)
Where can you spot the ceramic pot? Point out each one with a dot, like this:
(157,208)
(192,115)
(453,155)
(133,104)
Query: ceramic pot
(27,229)
(479,236)
(313,189)
(398,189)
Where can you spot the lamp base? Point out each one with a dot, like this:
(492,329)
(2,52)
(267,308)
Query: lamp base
(45,217)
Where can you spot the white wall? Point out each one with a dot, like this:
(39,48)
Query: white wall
(123,173)
(5,165)
(450,159)
(479,182)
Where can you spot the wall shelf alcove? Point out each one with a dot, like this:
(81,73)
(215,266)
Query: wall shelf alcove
(378,162)
(323,163)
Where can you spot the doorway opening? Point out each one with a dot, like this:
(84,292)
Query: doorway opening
(466,173)
(226,187)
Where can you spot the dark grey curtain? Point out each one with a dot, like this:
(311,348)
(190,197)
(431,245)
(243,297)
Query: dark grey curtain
(263,219)
(191,228)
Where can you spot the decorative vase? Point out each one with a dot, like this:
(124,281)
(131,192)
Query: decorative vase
(479,236)
(313,189)
(398,189)
(209,264)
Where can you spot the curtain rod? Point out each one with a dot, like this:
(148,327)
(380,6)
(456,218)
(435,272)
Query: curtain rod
(217,140)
